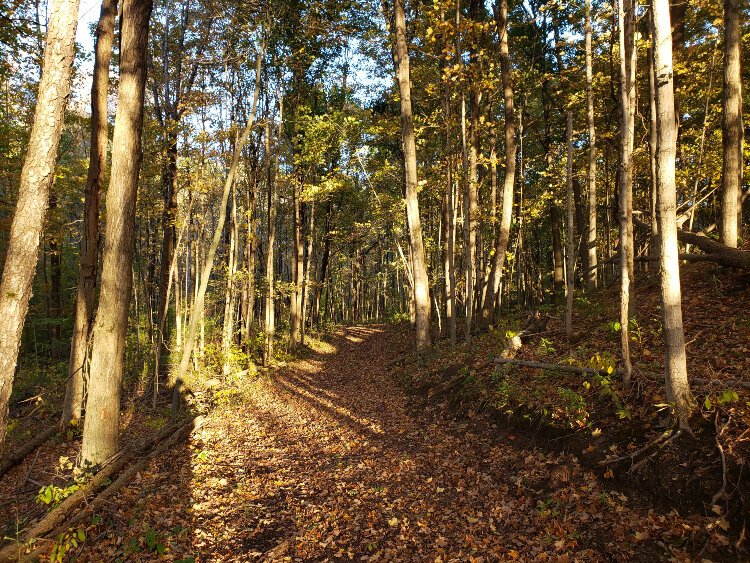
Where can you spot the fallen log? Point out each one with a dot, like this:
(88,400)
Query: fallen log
(13,459)
(721,254)
(594,371)
(109,492)
(110,468)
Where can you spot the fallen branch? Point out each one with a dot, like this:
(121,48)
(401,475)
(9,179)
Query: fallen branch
(649,375)
(724,255)
(127,475)
(110,468)
(20,454)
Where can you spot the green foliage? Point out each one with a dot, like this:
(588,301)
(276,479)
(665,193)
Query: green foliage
(53,495)
(66,542)
(574,405)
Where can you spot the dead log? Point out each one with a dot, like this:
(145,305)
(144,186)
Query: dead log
(649,375)
(110,468)
(721,254)
(103,497)
(536,324)
(20,454)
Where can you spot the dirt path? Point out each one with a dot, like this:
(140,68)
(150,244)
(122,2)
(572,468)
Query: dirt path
(325,460)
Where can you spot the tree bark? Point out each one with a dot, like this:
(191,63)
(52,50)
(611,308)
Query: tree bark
(101,426)
(675,359)
(731,127)
(571,233)
(270,321)
(37,176)
(501,247)
(626,15)
(590,239)
(419,265)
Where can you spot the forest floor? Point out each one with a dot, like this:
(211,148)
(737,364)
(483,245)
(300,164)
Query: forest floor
(330,457)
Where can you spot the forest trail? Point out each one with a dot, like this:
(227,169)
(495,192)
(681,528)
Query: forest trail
(325,459)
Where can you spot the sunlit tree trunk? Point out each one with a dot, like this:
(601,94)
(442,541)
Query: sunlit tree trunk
(419,264)
(449,257)
(591,277)
(652,140)
(270,321)
(101,426)
(626,14)
(297,266)
(731,129)
(498,261)
(675,361)
(37,176)
(229,290)
(309,268)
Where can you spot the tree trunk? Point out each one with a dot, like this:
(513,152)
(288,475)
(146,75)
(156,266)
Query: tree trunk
(229,293)
(675,361)
(101,426)
(731,127)
(498,260)
(626,13)
(37,176)
(270,321)
(297,266)
(209,262)
(419,265)
(590,239)
(558,279)
(309,267)
(571,233)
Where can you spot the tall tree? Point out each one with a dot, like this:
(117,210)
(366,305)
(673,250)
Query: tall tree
(675,359)
(419,263)
(626,17)
(570,263)
(87,272)
(37,175)
(205,274)
(731,128)
(591,276)
(498,261)
(101,425)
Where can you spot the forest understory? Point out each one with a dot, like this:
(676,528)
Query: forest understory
(358,451)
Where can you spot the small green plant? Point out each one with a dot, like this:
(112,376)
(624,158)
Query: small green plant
(574,405)
(725,398)
(52,495)
(545,347)
(152,542)
(66,541)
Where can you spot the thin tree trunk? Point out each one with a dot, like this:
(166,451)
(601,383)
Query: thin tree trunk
(731,127)
(270,321)
(591,179)
(101,426)
(229,293)
(209,262)
(37,176)
(571,233)
(626,21)
(675,360)
(652,141)
(309,267)
(419,265)
(297,266)
(498,262)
